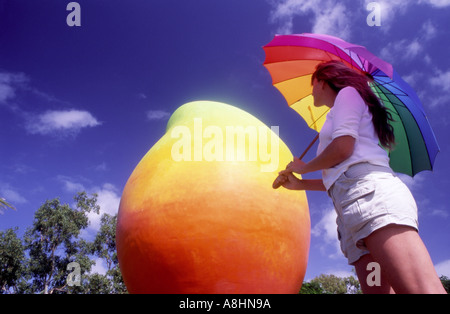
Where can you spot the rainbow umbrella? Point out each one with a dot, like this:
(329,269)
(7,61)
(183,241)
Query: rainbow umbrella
(292,59)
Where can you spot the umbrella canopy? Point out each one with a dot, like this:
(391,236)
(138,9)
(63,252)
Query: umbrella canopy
(292,59)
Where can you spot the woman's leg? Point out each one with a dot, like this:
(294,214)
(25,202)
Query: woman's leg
(384,286)
(404,260)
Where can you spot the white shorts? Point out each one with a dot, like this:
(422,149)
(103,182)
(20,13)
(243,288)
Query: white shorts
(367,198)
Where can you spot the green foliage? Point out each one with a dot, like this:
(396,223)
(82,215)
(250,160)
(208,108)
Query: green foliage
(39,263)
(311,288)
(11,259)
(104,247)
(331,284)
(4,204)
(446,283)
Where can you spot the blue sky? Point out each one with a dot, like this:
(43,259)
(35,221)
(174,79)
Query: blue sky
(80,106)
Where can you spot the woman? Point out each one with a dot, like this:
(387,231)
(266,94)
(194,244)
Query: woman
(376,213)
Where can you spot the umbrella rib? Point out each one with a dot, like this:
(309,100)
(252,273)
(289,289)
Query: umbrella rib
(296,101)
(313,125)
(387,92)
(424,143)
(378,90)
(320,117)
(337,54)
(359,58)
(401,93)
(407,137)
(283,61)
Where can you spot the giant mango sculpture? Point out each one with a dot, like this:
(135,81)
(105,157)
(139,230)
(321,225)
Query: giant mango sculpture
(199,215)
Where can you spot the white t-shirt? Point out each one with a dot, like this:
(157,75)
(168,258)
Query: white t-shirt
(351,116)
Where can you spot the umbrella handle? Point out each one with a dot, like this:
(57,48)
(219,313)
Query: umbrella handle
(309,146)
(276,184)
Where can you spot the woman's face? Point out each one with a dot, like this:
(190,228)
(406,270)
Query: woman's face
(323,94)
(317,93)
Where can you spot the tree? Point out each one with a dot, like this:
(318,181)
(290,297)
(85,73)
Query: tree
(446,283)
(12,257)
(52,252)
(331,284)
(311,288)
(53,242)
(104,247)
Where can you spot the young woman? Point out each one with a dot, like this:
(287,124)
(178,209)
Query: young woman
(376,213)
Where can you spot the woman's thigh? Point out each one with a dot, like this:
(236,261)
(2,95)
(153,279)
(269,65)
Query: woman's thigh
(371,278)
(404,259)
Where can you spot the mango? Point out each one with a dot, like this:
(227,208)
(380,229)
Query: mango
(198,213)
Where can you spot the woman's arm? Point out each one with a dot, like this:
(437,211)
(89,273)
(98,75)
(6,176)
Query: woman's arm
(339,150)
(291,182)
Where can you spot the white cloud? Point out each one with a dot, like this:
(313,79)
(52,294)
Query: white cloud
(66,121)
(6,92)
(341,18)
(158,115)
(70,185)
(99,267)
(101,167)
(405,50)
(9,83)
(142,96)
(108,198)
(441,80)
(328,16)
(441,213)
(437,3)
(11,195)
(284,12)
(335,17)
(415,79)
(413,183)
(334,20)
(428,30)
(443,268)
(326,229)
(413,49)
(438,101)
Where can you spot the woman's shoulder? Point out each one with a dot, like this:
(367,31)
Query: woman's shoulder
(349,91)
(349,98)
(349,94)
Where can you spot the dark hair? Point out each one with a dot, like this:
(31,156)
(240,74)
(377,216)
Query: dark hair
(337,75)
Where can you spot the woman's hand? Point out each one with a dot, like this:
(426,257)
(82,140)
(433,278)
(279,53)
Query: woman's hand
(339,150)
(288,181)
(297,166)
(291,182)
